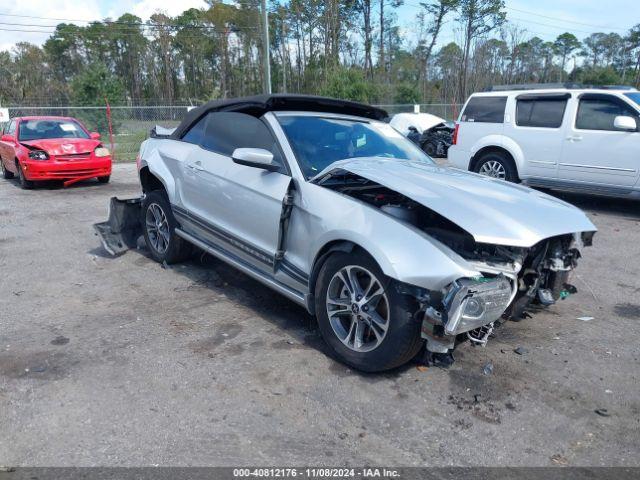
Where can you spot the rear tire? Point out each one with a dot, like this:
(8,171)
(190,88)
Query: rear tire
(104,179)
(5,173)
(159,224)
(497,165)
(398,336)
(24,183)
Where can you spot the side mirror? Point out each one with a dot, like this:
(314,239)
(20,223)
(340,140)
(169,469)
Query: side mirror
(413,129)
(255,157)
(94,136)
(628,124)
(8,138)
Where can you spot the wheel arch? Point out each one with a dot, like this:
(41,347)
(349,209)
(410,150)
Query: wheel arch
(150,182)
(333,246)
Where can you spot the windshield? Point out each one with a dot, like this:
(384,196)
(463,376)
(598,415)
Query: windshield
(48,128)
(319,141)
(634,96)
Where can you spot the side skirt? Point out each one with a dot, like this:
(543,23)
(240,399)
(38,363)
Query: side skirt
(233,260)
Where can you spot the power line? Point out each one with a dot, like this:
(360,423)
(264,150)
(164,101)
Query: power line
(567,21)
(548,25)
(118,28)
(112,22)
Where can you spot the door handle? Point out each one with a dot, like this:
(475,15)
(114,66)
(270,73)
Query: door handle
(574,138)
(197,166)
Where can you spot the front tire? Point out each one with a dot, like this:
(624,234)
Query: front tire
(104,179)
(24,183)
(497,165)
(365,320)
(159,226)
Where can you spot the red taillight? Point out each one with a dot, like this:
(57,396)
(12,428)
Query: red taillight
(455,134)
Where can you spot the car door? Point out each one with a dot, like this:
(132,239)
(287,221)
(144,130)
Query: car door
(594,151)
(236,207)
(7,149)
(538,130)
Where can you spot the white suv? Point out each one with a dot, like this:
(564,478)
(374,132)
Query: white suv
(565,138)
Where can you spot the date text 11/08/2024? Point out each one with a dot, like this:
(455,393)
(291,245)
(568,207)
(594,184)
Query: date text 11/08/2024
(316,472)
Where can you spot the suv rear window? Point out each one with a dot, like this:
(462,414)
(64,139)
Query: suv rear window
(540,112)
(485,110)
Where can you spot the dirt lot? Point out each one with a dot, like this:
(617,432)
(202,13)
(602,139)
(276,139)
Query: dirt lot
(121,362)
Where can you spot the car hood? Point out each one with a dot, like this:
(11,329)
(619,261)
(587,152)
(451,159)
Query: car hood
(492,211)
(63,146)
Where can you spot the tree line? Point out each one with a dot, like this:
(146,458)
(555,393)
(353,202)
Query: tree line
(354,49)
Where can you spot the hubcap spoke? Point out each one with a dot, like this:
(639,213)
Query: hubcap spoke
(157,228)
(494,169)
(358,308)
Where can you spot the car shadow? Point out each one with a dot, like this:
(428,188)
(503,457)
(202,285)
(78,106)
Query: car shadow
(58,184)
(206,271)
(598,204)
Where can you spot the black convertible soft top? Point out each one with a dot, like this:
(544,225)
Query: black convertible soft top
(260,104)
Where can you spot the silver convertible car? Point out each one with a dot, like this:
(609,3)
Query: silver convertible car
(327,204)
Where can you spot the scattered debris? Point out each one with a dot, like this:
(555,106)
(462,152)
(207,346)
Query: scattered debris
(488,369)
(559,459)
(510,406)
(422,368)
(165,265)
(608,391)
(60,340)
(481,409)
(41,369)
(603,412)
(584,319)
(521,351)
(362,434)
(463,424)
(434,359)
(18,293)
(290,342)
(342,435)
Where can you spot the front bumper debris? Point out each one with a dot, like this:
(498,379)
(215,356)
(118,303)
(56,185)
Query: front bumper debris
(469,304)
(124,226)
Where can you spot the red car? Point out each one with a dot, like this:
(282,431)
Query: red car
(52,148)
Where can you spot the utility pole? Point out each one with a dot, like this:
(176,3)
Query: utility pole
(265,45)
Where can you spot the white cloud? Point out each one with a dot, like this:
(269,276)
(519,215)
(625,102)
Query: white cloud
(146,8)
(66,9)
(75,10)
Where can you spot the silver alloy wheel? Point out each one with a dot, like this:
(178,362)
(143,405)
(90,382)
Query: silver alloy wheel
(358,308)
(493,168)
(157,228)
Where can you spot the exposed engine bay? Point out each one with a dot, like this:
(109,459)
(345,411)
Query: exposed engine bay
(513,279)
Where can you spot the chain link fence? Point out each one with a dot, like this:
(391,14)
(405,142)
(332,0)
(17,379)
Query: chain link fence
(123,128)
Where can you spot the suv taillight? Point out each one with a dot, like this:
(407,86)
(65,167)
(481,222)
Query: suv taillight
(455,134)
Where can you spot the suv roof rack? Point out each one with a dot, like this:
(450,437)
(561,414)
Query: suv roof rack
(565,85)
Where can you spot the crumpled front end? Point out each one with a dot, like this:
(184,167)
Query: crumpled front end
(511,281)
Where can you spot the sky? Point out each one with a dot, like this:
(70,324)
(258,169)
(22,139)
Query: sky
(544,18)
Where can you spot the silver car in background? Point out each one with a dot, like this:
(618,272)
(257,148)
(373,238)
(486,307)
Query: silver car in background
(327,204)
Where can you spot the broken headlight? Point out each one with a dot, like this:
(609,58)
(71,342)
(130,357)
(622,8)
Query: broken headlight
(472,303)
(38,155)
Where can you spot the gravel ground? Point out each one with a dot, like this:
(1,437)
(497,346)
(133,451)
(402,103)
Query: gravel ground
(119,362)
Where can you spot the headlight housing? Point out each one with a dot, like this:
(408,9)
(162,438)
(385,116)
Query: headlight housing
(38,155)
(101,152)
(472,303)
